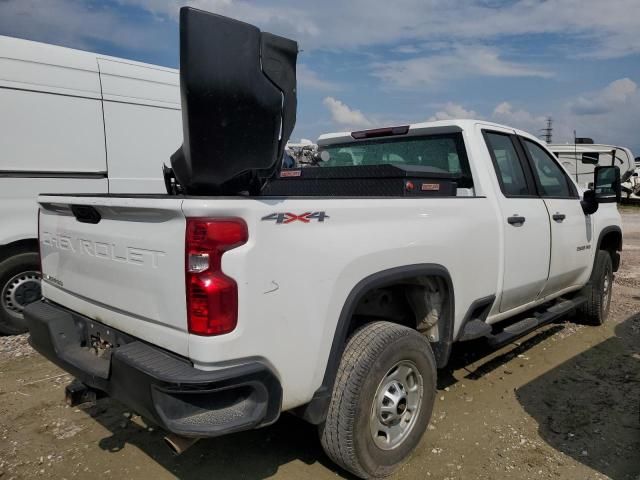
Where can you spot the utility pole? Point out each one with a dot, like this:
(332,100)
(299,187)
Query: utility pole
(547,133)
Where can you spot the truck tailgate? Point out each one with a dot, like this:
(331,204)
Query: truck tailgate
(119,261)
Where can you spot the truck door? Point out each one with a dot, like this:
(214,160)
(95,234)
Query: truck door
(571,234)
(527,240)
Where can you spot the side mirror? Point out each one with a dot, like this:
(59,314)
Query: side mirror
(590,158)
(607,184)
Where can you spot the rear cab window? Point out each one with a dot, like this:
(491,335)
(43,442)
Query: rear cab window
(443,153)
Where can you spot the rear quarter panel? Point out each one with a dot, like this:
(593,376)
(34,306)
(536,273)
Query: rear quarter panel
(294,278)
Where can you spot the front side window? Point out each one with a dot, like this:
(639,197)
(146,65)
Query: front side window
(552,180)
(508,167)
(436,153)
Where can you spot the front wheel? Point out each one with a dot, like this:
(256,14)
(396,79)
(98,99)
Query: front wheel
(19,286)
(382,399)
(598,291)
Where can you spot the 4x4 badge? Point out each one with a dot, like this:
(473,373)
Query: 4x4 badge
(288,217)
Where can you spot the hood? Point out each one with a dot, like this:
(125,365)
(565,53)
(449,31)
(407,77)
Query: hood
(238,94)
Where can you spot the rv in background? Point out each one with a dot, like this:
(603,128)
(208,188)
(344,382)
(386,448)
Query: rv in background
(73,121)
(581,158)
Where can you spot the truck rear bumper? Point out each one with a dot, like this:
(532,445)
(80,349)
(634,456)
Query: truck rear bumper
(154,383)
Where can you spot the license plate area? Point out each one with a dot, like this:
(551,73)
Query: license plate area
(101,339)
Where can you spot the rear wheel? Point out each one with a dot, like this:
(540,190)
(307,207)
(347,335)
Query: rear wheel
(382,399)
(598,290)
(19,286)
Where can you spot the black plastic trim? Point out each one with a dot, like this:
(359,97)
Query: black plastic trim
(482,305)
(48,174)
(244,197)
(316,410)
(97,98)
(159,385)
(86,214)
(605,231)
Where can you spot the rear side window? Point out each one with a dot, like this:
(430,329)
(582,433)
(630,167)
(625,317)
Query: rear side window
(438,153)
(507,164)
(552,180)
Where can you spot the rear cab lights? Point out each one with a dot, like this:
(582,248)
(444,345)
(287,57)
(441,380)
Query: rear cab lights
(381,132)
(212,296)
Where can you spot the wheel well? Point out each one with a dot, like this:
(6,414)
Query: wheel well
(611,241)
(422,302)
(399,290)
(19,246)
(407,302)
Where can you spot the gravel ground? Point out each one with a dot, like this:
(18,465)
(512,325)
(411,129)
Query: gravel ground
(563,402)
(15,347)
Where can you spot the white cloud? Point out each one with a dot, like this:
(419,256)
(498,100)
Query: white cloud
(462,62)
(601,29)
(616,124)
(518,118)
(503,113)
(406,49)
(610,98)
(344,116)
(76,24)
(307,78)
(453,110)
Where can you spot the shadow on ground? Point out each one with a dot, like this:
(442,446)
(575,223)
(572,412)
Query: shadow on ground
(589,407)
(260,453)
(567,402)
(247,455)
(465,354)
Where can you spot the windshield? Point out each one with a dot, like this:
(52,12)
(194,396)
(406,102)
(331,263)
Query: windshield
(439,153)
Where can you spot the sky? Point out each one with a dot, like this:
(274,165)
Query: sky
(371,63)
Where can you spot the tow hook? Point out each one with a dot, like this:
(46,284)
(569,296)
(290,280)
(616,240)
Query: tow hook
(178,444)
(77,393)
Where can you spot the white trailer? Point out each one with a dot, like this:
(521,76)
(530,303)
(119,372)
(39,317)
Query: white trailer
(581,159)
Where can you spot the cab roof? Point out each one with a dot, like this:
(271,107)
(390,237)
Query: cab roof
(433,128)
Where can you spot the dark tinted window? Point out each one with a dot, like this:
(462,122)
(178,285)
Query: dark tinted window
(438,153)
(551,178)
(508,166)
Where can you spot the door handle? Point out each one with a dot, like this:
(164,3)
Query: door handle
(559,217)
(516,220)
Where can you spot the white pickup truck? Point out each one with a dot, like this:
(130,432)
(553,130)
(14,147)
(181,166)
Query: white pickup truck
(334,291)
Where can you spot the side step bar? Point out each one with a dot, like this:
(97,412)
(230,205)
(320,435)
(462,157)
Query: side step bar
(529,324)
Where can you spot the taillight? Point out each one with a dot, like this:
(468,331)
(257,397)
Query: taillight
(212,297)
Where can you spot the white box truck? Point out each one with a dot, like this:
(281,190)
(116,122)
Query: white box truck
(73,121)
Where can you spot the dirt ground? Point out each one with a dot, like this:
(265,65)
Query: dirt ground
(563,403)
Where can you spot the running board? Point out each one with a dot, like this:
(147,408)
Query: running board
(529,324)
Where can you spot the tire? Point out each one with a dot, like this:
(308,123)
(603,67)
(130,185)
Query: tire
(598,291)
(365,392)
(19,285)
